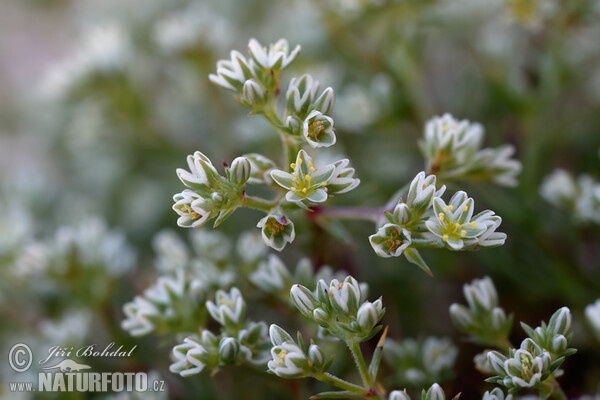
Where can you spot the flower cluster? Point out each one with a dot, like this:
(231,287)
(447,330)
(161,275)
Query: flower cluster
(426,220)
(273,277)
(306,122)
(537,359)
(295,360)
(340,308)
(452,150)
(190,275)
(435,392)
(173,303)
(420,363)
(209,194)
(240,341)
(580,196)
(484,320)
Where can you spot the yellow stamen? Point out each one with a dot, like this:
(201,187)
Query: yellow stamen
(293,188)
(281,356)
(472,224)
(323,183)
(307,177)
(312,169)
(294,179)
(441,217)
(456,225)
(299,161)
(310,164)
(450,207)
(444,237)
(463,233)
(465,208)
(293,165)
(304,190)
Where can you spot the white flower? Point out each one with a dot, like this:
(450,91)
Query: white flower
(592,314)
(481,293)
(390,240)
(342,180)
(190,207)
(305,182)
(455,225)
(301,93)
(317,130)
(229,309)
(271,275)
(232,74)
(422,192)
(276,230)
(559,188)
(289,361)
(277,56)
(346,295)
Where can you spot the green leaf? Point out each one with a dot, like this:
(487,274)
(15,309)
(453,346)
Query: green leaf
(414,257)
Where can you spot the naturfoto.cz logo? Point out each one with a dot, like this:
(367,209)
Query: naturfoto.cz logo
(71,376)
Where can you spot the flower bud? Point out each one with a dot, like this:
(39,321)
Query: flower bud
(559,344)
(324,103)
(279,336)
(560,322)
(496,362)
(369,315)
(435,392)
(228,350)
(399,395)
(461,317)
(303,299)
(253,95)
(239,172)
(345,296)
(498,319)
(316,356)
(321,317)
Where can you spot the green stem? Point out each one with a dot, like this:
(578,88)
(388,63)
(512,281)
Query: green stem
(258,203)
(339,382)
(360,363)
(557,392)
(290,147)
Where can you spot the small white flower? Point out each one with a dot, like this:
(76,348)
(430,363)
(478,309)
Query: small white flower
(278,56)
(592,314)
(232,74)
(481,293)
(342,180)
(390,240)
(277,230)
(229,309)
(303,299)
(305,182)
(272,276)
(317,130)
(189,205)
(346,295)
(422,192)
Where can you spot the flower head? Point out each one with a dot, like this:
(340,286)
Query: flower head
(277,56)
(342,180)
(277,230)
(453,222)
(305,182)
(317,130)
(232,74)
(228,308)
(390,240)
